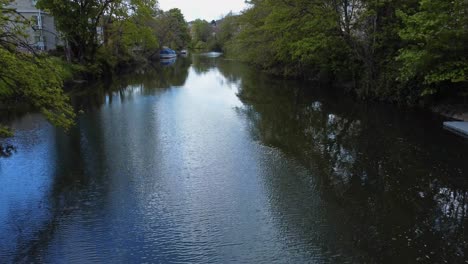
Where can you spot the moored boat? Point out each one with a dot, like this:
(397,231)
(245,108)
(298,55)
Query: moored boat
(167,53)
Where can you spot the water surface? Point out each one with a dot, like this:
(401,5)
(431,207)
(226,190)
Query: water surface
(209,161)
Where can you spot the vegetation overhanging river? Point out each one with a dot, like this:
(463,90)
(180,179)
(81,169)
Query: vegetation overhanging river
(209,161)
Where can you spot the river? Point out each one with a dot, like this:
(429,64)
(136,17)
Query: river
(210,161)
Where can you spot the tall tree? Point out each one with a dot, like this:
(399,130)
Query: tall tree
(79,22)
(228,28)
(130,32)
(201,31)
(172,29)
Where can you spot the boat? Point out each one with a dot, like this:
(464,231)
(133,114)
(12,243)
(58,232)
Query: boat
(183,52)
(460,128)
(167,53)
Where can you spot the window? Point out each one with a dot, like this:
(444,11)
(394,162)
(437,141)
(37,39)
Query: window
(39,42)
(39,38)
(37,21)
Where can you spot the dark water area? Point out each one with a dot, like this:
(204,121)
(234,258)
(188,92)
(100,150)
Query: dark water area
(207,160)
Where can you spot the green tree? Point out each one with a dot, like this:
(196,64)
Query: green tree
(436,50)
(349,42)
(294,38)
(79,21)
(129,33)
(172,29)
(29,78)
(201,31)
(229,27)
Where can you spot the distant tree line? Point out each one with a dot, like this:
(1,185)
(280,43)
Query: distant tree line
(390,50)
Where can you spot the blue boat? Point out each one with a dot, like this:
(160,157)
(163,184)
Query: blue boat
(167,53)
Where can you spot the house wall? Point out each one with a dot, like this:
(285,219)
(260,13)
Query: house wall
(43,36)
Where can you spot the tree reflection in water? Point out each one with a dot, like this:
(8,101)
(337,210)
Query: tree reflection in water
(144,81)
(372,160)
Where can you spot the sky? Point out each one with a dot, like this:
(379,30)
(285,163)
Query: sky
(203,9)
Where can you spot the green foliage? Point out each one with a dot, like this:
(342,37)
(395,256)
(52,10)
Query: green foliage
(78,21)
(253,42)
(28,78)
(36,81)
(201,45)
(435,52)
(106,32)
(367,46)
(130,33)
(68,71)
(5,132)
(201,31)
(172,29)
(228,29)
(292,39)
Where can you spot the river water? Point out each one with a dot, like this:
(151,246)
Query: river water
(210,161)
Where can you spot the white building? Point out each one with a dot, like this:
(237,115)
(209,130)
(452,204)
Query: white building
(43,34)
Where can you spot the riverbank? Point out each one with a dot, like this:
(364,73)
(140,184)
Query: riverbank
(79,74)
(456,112)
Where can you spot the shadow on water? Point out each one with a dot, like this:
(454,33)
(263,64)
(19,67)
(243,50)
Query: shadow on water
(399,178)
(203,64)
(51,202)
(78,178)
